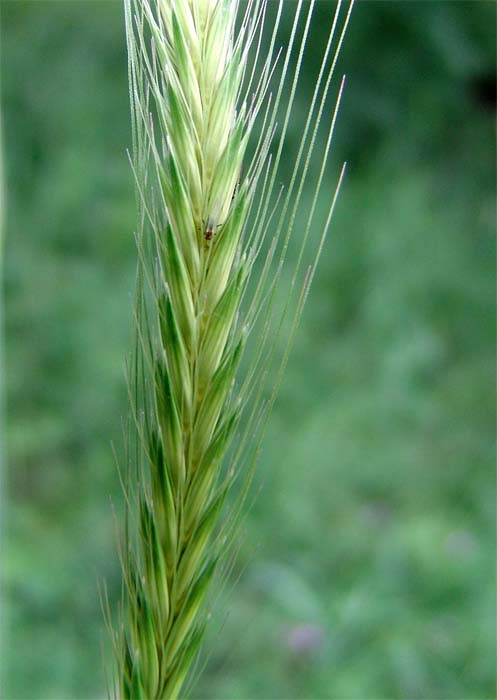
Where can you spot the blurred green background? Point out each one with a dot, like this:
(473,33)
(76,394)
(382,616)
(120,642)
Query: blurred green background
(367,567)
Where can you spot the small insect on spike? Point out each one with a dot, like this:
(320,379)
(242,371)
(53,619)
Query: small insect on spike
(210,230)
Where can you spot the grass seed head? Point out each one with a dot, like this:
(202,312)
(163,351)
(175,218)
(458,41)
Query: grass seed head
(196,102)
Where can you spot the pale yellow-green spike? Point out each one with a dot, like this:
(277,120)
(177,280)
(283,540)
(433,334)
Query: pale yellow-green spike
(193,66)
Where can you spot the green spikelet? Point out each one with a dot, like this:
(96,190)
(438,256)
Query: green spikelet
(200,111)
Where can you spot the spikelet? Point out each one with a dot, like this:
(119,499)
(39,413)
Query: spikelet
(199,93)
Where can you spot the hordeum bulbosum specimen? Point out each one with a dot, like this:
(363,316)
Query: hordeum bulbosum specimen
(212,92)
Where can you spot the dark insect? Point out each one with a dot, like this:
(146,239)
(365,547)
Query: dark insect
(209,232)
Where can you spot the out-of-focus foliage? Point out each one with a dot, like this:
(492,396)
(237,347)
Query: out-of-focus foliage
(367,566)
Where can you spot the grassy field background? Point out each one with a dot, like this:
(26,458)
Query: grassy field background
(367,564)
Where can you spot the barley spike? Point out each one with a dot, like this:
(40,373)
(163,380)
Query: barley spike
(207,155)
